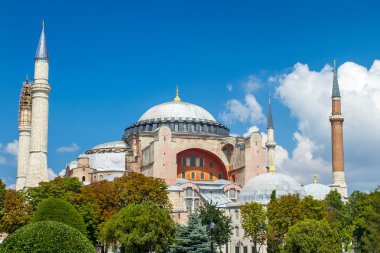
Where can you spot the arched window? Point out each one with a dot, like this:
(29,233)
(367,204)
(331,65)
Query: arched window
(100,177)
(192,175)
(237,231)
(220,176)
(236,215)
(233,178)
(211,176)
(83,178)
(202,175)
(183,174)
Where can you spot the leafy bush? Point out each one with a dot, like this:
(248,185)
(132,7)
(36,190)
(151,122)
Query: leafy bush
(60,210)
(47,237)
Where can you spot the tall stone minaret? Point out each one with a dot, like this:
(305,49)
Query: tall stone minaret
(24,129)
(37,169)
(336,120)
(270,144)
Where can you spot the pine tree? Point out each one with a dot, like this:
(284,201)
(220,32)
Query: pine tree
(192,238)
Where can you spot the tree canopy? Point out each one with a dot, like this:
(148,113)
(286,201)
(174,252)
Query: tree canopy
(311,236)
(140,228)
(47,237)
(192,238)
(59,210)
(254,223)
(222,231)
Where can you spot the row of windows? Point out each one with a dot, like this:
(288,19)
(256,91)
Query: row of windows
(195,161)
(202,175)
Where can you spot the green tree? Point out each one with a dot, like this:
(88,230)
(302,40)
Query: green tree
(47,237)
(254,224)
(62,188)
(367,222)
(222,231)
(313,208)
(339,218)
(16,211)
(99,201)
(192,238)
(311,236)
(140,228)
(282,213)
(59,210)
(2,192)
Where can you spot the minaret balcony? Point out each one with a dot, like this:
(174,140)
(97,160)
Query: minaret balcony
(336,117)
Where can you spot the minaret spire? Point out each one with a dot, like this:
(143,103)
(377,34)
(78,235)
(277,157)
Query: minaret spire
(177,98)
(336,119)
(335,89)
(270,144)
(270,119)
(42,48)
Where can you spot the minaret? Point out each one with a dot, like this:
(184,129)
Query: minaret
(37,169)
(336,120)
(24,129)
(270,144)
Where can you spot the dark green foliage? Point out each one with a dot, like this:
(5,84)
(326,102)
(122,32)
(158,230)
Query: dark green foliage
(59,210)
(140,228)
(2,191)
(47,237)
(366,210)
(312,236)
(222,232)
(192,238)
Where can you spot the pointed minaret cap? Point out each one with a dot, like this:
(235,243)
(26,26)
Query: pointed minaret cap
(335,89)
(42,49)
(177,98)
(270,119)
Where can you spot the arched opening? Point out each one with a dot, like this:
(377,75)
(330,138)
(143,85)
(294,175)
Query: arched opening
(83,178)
(199,164)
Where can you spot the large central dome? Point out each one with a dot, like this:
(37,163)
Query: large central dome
(177,110)
(180,117)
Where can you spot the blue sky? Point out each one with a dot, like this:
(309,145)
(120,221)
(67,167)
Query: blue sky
(112,60)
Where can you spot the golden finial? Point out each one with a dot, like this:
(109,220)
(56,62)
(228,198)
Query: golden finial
(177,98)
(315,179)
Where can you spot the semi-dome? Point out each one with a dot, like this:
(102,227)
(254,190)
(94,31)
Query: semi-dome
(111,145)
(259,188)
(177,110)
(317,191)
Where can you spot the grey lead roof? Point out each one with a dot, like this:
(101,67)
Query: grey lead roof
(42,48)
(335,89)
(270,120)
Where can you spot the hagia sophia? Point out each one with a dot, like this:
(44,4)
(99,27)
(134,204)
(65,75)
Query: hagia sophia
(181,143)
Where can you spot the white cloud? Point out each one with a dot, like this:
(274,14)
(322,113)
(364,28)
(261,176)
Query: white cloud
(62,173)
(251,130)
(249,111)
(12,187)
(68,149)
(307,94)
(229,87)
(252,83)
(51,174)
(12,148)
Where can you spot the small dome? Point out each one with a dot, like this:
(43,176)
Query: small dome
(317,191)
(177,110)
(73,165)
(109,145)
(259,188)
